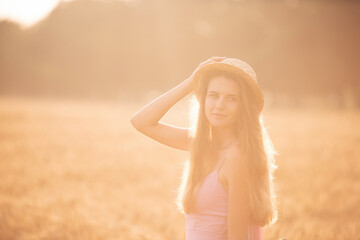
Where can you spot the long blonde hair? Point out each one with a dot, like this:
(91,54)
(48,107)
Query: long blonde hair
(256,149)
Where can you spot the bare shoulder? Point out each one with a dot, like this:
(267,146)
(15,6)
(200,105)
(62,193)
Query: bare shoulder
(234,163)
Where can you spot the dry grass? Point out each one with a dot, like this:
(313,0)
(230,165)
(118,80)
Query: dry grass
(76,170)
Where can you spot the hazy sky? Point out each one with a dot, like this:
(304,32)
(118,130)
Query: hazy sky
(26,12)
(29,12)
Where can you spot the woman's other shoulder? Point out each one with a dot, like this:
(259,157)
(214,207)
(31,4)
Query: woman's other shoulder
(233,154)
(234,161)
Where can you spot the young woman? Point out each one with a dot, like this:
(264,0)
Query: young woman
(227,191)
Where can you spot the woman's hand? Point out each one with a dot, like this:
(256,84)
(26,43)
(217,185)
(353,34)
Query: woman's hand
(190,79)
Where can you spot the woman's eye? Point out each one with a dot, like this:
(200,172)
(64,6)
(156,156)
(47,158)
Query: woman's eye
(232,99)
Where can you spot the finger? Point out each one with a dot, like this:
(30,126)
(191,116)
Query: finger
(211,60)
(218,58)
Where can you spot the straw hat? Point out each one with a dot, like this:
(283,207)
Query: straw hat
(237,67)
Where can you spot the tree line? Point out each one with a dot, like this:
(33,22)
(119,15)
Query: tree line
(115,49)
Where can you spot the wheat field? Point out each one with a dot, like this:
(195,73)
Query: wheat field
(78,170)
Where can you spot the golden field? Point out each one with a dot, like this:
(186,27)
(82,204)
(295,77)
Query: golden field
(78,170)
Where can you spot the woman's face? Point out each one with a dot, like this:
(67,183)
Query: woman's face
(222,101)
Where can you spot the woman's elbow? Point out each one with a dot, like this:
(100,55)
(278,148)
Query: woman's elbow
(135,122)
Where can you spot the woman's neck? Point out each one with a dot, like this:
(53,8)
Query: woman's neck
(224,138)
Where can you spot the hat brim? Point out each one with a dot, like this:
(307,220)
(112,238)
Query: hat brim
(199,76)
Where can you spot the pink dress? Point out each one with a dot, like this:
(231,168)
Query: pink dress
(210,220)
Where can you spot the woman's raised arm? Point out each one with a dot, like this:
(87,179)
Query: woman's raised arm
(147,119)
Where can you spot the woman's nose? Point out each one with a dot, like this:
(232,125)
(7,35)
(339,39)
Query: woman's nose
(220,103)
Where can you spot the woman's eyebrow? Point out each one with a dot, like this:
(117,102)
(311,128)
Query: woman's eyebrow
(231,94)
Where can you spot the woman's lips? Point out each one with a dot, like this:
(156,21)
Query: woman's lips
(218,115)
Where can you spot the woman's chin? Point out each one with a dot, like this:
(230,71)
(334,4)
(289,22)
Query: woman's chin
(219,124)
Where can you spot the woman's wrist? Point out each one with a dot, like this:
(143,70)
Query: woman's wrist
(188,84)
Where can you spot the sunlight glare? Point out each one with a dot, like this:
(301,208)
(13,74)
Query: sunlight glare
(26,12)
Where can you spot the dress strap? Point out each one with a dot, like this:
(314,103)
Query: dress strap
(222,160)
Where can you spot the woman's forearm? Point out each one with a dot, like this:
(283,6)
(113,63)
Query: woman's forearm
(151,114)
